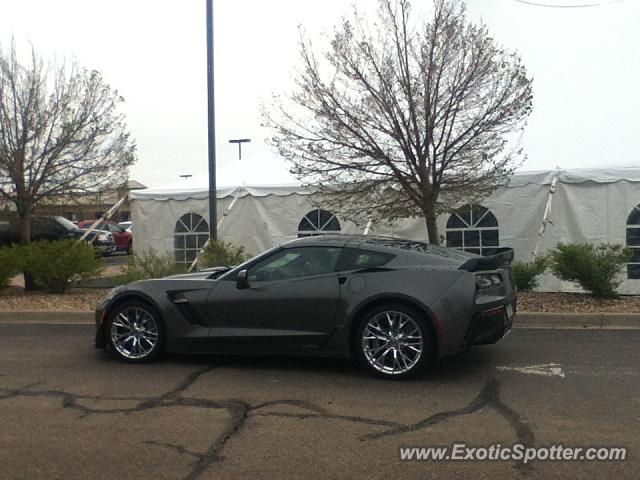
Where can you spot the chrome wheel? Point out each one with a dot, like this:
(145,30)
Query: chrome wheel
(392,342)
(134,332)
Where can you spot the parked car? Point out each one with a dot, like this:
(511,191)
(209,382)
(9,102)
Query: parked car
(54,228)
(123,238)
(126,225)
(394,304)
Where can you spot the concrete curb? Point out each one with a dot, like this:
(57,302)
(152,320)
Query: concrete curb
(48,318)
(598,321)
(594,321)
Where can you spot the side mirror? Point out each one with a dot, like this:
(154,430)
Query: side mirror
(242,281)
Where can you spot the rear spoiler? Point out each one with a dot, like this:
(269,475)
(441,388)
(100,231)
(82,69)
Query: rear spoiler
(503,258)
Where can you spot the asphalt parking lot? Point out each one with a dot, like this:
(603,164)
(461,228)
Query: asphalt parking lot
(69,411)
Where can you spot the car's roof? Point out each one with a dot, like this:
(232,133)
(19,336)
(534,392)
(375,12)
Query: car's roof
(378,241)
(343,239)
(94,221)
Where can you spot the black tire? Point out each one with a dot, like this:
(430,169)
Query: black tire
(403,343)
(142,324)
(129,249)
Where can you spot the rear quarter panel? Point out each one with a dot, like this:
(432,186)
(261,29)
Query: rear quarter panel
(447,296)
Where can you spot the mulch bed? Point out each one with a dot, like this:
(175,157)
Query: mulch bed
(15,299)
(576,303)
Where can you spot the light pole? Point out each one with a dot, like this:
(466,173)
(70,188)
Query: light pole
(213,201)
(240,141)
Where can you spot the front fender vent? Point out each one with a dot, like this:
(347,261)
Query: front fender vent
(185,308)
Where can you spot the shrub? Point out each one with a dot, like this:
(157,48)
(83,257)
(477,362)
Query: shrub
(594,268)
(53,265)
(149,264)
(526,273)
(9,265)
(222,254)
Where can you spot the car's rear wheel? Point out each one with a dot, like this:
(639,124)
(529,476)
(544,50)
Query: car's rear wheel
(394,341)
(135,332)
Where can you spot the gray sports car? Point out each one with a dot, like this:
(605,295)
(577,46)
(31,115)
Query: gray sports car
(394,304)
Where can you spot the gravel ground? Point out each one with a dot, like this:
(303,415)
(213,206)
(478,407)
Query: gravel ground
(85,300)
(14,299)
(576,303)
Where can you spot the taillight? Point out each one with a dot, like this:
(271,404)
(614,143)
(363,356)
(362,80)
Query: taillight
(488,280)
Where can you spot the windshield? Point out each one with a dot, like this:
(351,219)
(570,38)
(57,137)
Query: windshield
(66,223)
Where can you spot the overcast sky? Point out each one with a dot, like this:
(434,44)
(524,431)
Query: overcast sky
(585,63)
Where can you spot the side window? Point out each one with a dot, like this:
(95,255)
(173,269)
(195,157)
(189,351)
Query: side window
(189,236)
(317,222)
(295,263)
(633,242)
(474,229)
(57,228)
(357,259)
(42,228)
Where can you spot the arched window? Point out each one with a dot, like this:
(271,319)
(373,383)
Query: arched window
(474,229)
(189,236)
(317,222)
(633,242)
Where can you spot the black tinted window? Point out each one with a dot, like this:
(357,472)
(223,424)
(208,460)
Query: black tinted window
(295,263)
(357,259)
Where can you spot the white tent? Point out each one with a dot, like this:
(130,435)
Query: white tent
(270,206)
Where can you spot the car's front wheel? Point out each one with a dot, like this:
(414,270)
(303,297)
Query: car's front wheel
(135,332)
(394,341)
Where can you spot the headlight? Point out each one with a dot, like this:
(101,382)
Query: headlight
(103,237)
(488,280)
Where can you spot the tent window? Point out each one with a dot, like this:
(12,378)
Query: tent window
(317,222)
(633,242)
(474,229)
(189,236)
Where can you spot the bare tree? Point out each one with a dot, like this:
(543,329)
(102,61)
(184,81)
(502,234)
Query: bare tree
(60,133)
(400,118)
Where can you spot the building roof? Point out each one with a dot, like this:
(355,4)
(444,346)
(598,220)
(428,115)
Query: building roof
(135,185)
(260,179)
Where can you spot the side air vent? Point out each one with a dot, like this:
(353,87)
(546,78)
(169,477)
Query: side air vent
(185,308)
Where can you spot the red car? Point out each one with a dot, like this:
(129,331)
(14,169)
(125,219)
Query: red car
(123,239)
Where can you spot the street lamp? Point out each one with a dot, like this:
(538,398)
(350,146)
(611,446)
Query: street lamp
(213,215)
(240,141)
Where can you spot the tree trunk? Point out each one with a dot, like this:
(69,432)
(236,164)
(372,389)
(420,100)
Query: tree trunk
(25,228)
(25,239)
(432,226)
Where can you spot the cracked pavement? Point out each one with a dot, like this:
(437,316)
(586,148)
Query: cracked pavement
(69,411)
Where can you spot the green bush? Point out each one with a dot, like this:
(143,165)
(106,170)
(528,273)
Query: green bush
(526,273)
(149,264)
(594,268)
(53,265)
(9,265)
(222,254)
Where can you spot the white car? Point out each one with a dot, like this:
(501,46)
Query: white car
(126,226)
